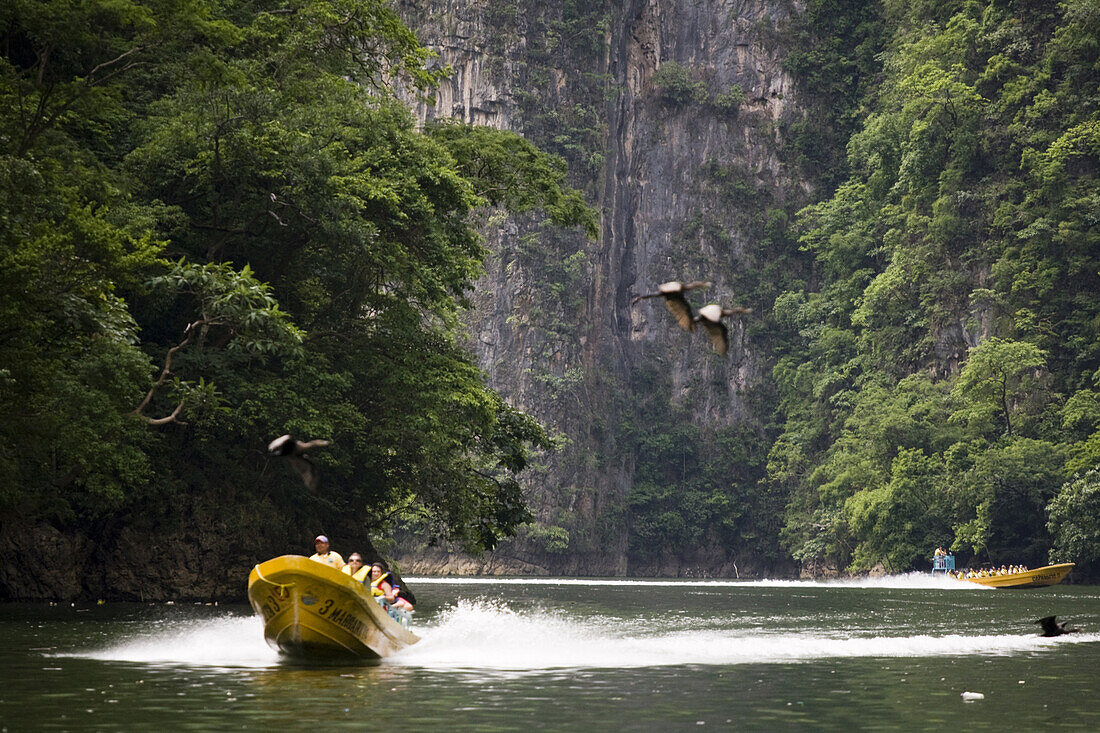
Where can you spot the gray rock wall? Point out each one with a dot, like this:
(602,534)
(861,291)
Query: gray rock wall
(568,348)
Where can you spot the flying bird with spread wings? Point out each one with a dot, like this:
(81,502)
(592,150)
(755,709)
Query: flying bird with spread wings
(673,293)
(710,317)
(294,451)
(1051,627)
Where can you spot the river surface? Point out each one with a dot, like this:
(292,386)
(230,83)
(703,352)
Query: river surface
(580,655)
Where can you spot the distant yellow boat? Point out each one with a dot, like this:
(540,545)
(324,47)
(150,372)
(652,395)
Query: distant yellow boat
(314,612)
(1046,575)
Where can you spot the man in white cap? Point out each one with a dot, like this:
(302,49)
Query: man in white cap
(323,554)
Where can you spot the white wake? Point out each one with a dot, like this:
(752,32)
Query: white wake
(488,636)
(906,580)
(236,641)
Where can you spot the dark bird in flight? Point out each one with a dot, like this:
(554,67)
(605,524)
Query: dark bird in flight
(1053,628)
(295,451)
(673,293)
(710,316)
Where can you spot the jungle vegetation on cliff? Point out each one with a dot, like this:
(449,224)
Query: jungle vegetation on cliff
(218,225)
(940,376)
(925,294)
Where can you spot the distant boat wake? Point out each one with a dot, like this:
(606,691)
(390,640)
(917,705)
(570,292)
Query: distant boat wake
(485,636)
(906,580)
(491,637)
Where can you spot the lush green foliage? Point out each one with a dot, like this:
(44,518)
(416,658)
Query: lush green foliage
(694,486)
(217,225)
(510,172)
(1075,521)
(835,55)
(938,385)
(226,195)
(673,85)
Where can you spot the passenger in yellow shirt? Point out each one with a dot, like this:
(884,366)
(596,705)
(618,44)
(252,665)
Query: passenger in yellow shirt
(355,568)
(324,555)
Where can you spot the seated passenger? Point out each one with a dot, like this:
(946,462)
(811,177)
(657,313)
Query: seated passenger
(324,555)
(355,568)
(381,587)
(401,599)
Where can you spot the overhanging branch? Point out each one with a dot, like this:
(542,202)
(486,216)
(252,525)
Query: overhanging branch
(164,374)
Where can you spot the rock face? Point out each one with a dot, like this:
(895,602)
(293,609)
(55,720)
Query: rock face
(177,565)
(200,556)
(670,114)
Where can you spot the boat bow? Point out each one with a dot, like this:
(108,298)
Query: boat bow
(315,612)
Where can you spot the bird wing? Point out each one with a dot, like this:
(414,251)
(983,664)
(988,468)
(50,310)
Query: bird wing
(680,310)
(1050,626)
(712,312)
(719,336)
(278,445)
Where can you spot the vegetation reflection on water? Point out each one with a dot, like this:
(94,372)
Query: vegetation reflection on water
(554,654)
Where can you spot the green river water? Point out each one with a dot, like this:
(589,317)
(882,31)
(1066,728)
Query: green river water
(580,655)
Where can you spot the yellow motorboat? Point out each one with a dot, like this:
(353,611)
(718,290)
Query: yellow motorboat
(1046,575)
(314,612)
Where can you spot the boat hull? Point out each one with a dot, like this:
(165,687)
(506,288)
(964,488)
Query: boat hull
(313,612)
(1037,578)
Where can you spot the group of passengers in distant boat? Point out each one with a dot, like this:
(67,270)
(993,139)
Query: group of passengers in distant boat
(988,572)
(375,576)
(982,573)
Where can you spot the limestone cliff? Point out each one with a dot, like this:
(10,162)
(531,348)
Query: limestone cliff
(670,114)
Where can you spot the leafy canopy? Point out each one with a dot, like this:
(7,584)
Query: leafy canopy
(223,226)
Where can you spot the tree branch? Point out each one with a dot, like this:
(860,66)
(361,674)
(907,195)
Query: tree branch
(113,61)
(164,374)
(167,419)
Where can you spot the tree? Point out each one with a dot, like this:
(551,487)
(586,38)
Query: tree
(511,173)
(674,87)
(1003,492)
(1074,522)
(319,249)
(234,311)
(998,377)
(898,522)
